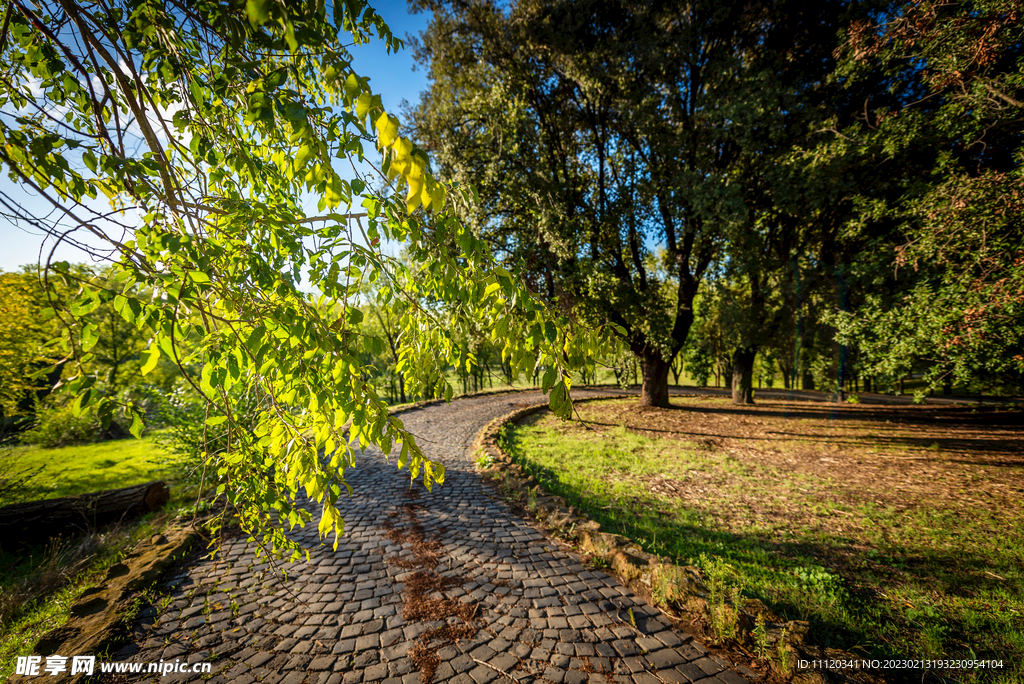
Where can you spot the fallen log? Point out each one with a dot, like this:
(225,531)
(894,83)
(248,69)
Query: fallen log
(33,522)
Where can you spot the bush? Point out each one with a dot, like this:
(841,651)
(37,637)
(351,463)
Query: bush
(57,426)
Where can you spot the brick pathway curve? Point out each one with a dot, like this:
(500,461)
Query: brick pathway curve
(442,582)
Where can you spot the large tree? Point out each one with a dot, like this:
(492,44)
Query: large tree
(946,126)
(176,141)
(600,131)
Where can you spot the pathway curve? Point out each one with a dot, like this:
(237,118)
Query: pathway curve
(445,587)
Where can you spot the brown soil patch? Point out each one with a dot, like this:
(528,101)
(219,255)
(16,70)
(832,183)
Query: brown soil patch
(898,457)
(424,597)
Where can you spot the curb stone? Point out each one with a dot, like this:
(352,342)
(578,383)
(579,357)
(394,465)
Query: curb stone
(101,615)
(669,586)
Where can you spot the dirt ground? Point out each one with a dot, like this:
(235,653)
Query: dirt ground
(958,458)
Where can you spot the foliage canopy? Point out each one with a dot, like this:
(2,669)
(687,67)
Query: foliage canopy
(621,148)
(176,141)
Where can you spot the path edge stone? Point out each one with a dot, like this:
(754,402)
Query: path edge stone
(99,619)
(667,585)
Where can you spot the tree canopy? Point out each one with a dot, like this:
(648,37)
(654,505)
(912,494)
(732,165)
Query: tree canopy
(180,137)
(849,176)
(949,106)
(600,132)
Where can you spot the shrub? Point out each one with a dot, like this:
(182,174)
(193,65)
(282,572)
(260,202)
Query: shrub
(57,426)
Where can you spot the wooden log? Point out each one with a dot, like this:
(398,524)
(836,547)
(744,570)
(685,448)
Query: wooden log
(34,522)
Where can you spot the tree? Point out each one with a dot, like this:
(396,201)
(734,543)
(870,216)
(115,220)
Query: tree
(953,83)
(604,130)
(30,368)
(180,137)
(23,338)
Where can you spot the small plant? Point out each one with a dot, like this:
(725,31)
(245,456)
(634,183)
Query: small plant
(723,616)
(664,582)
(531,500)
(784,654)
(57,426)
(484,461)
(723,622)
(760,635)
(599,563)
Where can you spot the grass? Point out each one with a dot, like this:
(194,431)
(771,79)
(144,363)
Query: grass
(910,567)
(70,470)
(39,585)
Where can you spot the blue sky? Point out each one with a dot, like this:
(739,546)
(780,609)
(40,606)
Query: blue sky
(391,76)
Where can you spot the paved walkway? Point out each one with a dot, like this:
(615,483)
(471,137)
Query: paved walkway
(444,587)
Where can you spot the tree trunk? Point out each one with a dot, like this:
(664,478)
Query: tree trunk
(655,388)
(34,522)
(743,375)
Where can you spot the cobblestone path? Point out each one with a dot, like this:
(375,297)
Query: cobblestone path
(444,587)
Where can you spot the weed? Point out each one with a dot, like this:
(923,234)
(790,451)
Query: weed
(531,500)
(784,654)
(665,582)
(133,609)
(599,563)
(760,635)
(484,461)
(508,488)
(724,617)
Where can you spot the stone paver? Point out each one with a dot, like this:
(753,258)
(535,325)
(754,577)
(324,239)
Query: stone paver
(501,601)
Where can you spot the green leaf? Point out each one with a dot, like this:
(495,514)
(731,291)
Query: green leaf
(491,289)
(352,86)
(89,336)
(363,104)
(153,356)
(559,401)
(215,420)
(257,11)
(138,424)
(85,303)
(83,401)
(550,376)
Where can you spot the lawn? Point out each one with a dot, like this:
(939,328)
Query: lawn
(65,471)
(897,531)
